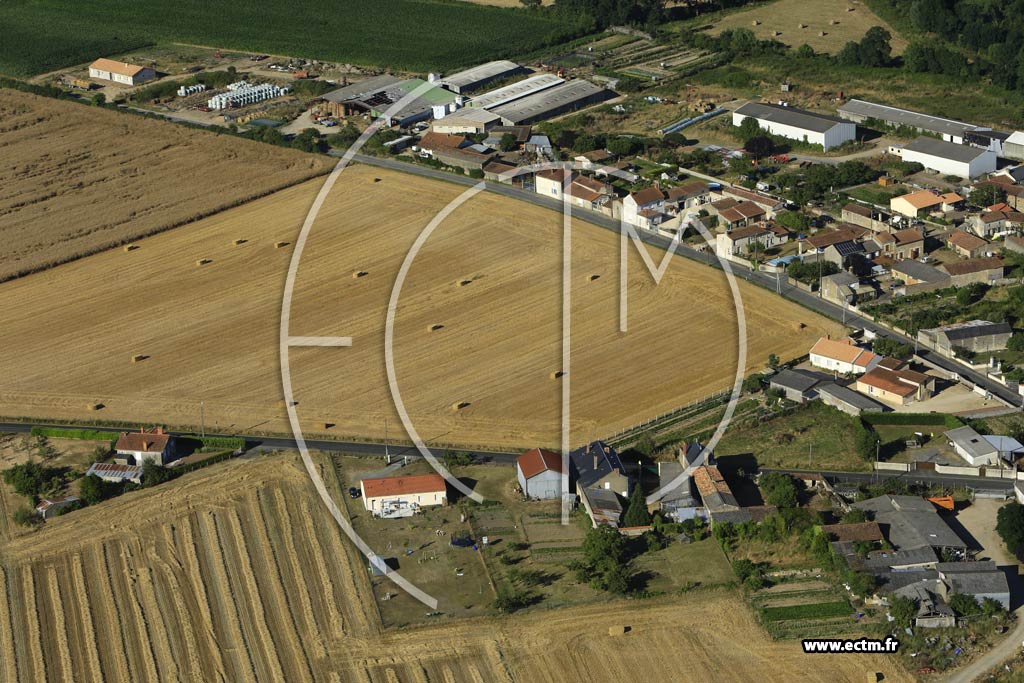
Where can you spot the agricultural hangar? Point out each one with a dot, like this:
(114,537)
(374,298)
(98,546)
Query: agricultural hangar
(797,124)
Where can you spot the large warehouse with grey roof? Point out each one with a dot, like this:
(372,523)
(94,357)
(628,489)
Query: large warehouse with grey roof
(550,102)
(797,124)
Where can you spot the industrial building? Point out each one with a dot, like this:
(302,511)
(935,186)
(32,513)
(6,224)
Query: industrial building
(479,76)
(515,91)
(797,124)
(376,95)
(120,72)
(948,158)
(977,336)
(466,121)
(1013,146)
(860,111)
(552,102)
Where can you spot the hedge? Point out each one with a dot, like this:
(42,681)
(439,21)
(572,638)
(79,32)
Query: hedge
(232,442)
(213,459)
(73,433)
(948,421)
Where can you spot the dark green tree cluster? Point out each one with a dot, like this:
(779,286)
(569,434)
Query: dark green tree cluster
(872,50)
(808,272)
(1010,527)
(885,346)
(779,489)
(636,513)
(605,563)
(33,479)
(600,14)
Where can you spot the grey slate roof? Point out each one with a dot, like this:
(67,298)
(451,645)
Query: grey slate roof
(971,441)
(360,89)
(790,116)
(851,397)
(976,583)
(974,328)
(581,462)
(945,150)
(798,380)
(912,522)
(920,271)
(904,117)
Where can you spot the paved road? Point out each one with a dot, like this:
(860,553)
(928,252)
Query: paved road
(766,280)
(268,442)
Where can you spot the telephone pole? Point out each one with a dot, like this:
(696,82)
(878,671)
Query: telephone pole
(202,418)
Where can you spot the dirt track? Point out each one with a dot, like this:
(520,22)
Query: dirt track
(210,332)
(235,573)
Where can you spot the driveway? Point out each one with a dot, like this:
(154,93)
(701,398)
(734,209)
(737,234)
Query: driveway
(980,521)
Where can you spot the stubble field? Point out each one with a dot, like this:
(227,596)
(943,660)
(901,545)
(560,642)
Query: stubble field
(78,179)
(798,22)
(234,572)
(210,333)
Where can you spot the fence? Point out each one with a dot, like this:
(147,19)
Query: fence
(956,470)
(666,419)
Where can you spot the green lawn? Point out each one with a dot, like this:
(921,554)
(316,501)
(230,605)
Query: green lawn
(815,436)
(701,563)
(415,35)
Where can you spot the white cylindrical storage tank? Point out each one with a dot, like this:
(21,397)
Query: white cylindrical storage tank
(439,111)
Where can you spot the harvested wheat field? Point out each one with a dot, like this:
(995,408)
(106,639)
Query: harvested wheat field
(235,573)
(161,333)
(78,179)
(825,25)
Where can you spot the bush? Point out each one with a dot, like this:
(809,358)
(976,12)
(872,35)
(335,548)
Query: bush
(25,516)
(779,489)
(32,479)
(509,600)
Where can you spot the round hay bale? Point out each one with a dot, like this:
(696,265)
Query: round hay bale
(96,406)
(325,425)
(435,327)
(595,276)
(776,33)
(833,22)
(131,247)
(463,283)
(280,245)
(203,261)
(755,22)
(138,357)
(556,374)
(799,326)
(459,405)
(618,630)
(240,241)
(822,34)
(359,273)
(801,25)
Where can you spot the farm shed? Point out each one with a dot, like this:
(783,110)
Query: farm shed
(393,497)
(948,158)
(860,111)
(979,336)
(539,472)
(51,507)
(479,76)
(552,102)
(797,124)
(511,93)
(116,473)
(120,72)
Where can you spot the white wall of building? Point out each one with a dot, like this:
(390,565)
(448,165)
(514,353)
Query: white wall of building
(833,137)
(980,165)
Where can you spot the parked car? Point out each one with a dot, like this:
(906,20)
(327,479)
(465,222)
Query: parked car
(353,492)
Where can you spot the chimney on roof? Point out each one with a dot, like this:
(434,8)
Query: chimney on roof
(159,430)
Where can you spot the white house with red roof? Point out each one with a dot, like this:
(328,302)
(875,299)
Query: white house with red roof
(540,474)
(404,496)
(638,207)
(843,357)
(135,448)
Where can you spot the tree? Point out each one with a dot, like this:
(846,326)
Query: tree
(903,610)
(621,146)
(154,474)
(874,49)
(987,195)
(31,479)
(773,361)
(779,489)
(759,146)
(604,565)
(805,51)
(636,513)
(92,489)
(1010,527)
(795,221)
(509,600)
(964,605)
(99,99)
(854,516)
(884,346)
(749,128)
(507,142)
(25,516)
